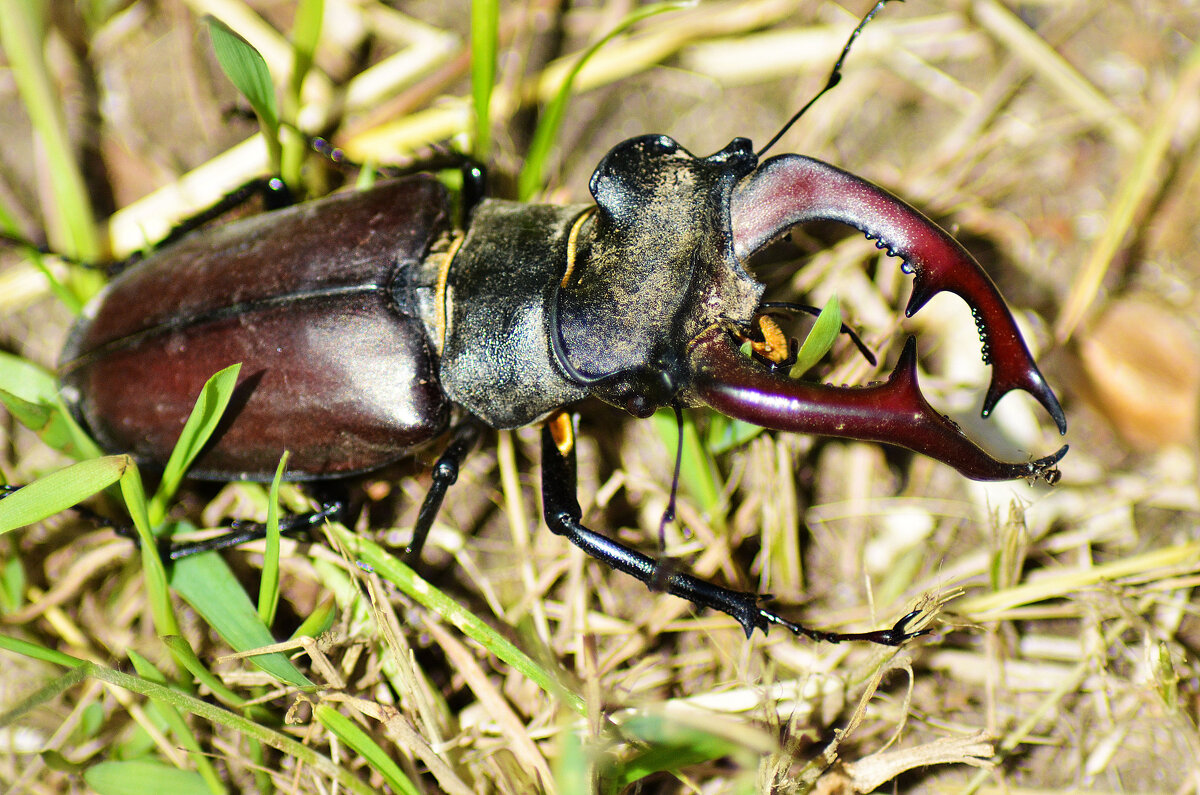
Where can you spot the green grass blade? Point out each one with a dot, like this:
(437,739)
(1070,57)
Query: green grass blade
(8,225)
(65,434)
(349,733)
(60,490)
(698,475)
(208,585)
(157,592)
(27,380)
(45,693)
(185,655)
(136,777)
(187,703)
(210,405)
(36,652)
(182,732)
(420,590)
(268,587)
(533,174)
(33,416)
(820,339)
(13,582)
(572,767)
(306,32)
(668,746)
(726,433)
(485,34)
(247,70)
(319,621)
(31,395)
(22,33)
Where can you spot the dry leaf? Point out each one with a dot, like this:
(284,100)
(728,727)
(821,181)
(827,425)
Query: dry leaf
(1143,371)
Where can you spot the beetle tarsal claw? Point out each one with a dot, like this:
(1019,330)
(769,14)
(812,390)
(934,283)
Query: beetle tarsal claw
(893,412)
(897,635)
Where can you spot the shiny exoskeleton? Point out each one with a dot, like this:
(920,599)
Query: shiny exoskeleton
(366,321)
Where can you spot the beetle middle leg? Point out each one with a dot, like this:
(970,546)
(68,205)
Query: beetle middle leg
(271,190)
(474,174)
(334,506)
(563,515)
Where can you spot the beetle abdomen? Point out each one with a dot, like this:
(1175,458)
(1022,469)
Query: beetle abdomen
(318,304)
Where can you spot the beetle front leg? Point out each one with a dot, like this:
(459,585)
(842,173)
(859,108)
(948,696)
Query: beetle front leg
(563,516)
(894,412)
(445,473)
(792,189)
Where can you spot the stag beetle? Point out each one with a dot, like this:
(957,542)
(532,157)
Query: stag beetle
(366,323)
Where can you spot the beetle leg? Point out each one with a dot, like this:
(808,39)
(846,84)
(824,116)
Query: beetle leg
(244,532)
(445,472)
(272,190)
(474,173)
(792,189)
(894,412)
(563,516)
(274,193)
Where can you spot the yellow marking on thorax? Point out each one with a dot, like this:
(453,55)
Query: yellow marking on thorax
(572,240)
(439,298)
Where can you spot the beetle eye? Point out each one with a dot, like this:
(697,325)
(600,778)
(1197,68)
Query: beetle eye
(648,389)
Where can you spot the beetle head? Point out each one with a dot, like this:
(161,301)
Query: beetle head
(656,282)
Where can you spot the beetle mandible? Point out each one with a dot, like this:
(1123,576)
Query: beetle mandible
(367,322)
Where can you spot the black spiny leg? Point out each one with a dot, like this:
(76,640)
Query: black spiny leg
(272,190)
(445,472)
(241,532)
(563,516)
(333,505)
(474,173)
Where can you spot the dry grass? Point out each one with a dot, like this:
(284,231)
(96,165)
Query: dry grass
(1057,140)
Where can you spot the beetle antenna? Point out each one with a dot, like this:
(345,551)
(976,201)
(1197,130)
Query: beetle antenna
(669,514)
(835,76)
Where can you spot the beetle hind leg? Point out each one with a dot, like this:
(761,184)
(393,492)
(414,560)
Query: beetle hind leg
(241,532)
(563,515)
